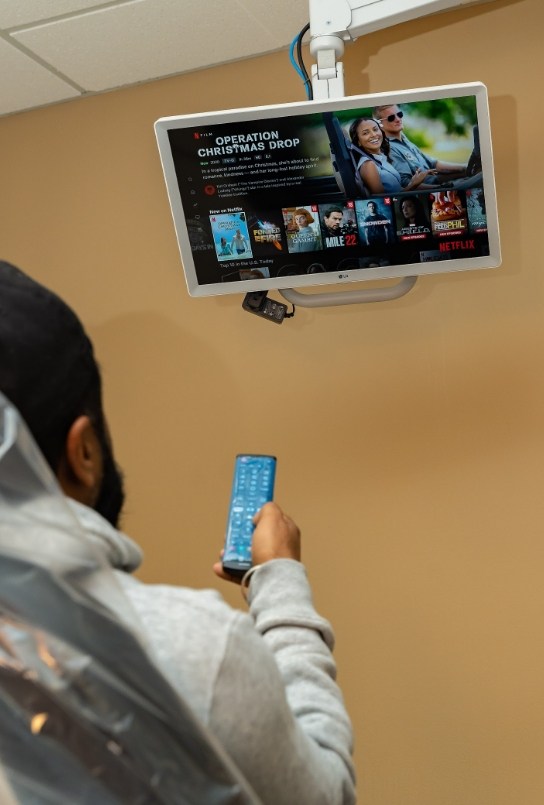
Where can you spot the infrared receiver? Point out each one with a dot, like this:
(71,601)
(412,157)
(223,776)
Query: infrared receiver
(259,303)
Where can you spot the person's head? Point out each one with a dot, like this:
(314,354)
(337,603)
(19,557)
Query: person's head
(332,218)
(412,210)
(49,373)
(390,119)
(303,218)
(365,133)
(372,208)
(223,241)
(408,208)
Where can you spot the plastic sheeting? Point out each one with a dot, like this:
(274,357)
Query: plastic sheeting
(84,714)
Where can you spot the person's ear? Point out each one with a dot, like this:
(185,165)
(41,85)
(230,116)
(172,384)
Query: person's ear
(83,461)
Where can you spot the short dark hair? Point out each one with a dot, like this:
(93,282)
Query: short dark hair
(327,213)
(47,366)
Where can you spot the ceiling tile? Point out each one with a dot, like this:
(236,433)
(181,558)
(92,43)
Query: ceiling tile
(133,42)
(15,12)
(286,21)
(29,83)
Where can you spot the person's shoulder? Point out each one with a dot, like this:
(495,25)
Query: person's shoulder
(364,158)
(170,601)
(404,141)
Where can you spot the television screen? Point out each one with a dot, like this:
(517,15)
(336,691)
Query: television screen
(393,184)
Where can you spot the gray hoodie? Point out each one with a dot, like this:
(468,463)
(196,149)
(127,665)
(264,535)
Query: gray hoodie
(263,682)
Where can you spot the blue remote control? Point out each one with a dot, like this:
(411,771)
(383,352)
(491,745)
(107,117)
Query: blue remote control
(252,487)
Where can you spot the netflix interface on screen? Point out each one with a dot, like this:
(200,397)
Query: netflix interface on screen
(279,197)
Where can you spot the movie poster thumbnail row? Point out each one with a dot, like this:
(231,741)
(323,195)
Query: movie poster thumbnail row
(379,221)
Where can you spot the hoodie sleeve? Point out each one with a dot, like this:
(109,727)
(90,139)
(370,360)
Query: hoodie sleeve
(281,713)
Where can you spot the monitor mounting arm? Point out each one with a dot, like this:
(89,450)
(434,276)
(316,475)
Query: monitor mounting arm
(333,22)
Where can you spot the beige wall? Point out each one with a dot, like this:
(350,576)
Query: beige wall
(409,434)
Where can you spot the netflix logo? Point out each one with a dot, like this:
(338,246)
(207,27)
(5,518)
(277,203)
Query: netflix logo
(457,245)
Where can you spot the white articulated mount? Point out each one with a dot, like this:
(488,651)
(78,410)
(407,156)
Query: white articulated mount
(332,23)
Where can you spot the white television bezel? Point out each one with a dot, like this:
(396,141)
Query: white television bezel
(207,120)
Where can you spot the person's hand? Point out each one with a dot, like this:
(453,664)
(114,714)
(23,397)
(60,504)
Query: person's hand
(419,177)
(276,536)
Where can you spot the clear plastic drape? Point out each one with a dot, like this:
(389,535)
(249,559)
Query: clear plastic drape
(84,714)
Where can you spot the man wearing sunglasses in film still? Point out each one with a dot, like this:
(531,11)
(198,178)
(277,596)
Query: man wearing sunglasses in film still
(407,157)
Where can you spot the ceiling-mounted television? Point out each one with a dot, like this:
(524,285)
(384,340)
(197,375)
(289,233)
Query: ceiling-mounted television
(286,196)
